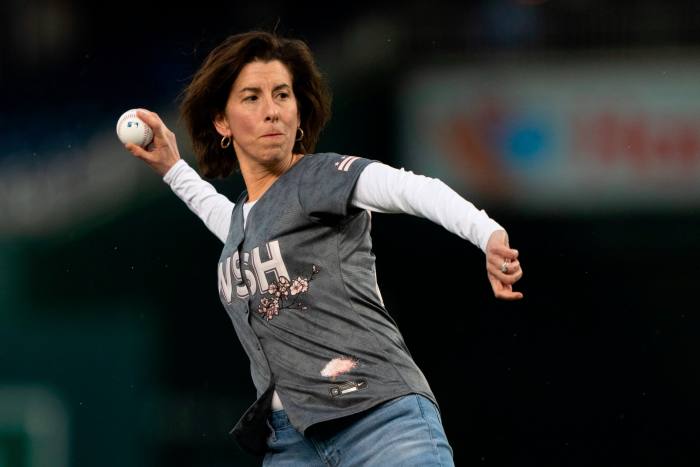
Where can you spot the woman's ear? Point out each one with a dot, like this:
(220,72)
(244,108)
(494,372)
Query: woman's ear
(221,125)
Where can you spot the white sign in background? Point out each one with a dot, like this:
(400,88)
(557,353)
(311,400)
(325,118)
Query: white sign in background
(558,135)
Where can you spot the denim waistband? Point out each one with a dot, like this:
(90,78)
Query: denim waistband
(279,419)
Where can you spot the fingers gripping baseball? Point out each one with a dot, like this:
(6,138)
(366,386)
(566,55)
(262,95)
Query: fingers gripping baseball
(162,152)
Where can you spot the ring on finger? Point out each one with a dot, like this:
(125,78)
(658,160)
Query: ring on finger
(504,266)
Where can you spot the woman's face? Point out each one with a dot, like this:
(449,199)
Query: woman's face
(261,114)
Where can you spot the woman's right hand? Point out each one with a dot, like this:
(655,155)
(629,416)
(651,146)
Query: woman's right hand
(162,153)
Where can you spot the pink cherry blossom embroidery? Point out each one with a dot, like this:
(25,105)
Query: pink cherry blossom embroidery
(279,288)
(269,307)
(284,295)
(338,366)
(299,285)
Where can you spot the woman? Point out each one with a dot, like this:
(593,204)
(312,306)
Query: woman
(334,378)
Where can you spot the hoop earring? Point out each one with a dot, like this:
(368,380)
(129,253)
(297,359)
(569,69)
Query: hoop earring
(302,134)
(225,142)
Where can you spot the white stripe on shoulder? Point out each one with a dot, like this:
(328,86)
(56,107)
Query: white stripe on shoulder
(347,162)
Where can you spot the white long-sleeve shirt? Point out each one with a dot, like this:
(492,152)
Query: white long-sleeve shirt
(379,188)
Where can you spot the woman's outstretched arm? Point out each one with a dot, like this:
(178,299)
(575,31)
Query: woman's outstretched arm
(381,188)
(163,156)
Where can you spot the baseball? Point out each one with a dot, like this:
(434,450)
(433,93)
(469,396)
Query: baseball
(131,129)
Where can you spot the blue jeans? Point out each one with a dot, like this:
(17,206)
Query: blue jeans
(406,431)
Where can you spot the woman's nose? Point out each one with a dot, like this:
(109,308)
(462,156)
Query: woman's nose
(271,111)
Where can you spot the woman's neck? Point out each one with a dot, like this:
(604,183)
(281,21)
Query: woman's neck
(258,179)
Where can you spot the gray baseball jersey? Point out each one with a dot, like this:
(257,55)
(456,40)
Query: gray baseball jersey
(299,285)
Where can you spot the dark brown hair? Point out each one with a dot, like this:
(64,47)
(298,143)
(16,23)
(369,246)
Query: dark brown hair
(205,97)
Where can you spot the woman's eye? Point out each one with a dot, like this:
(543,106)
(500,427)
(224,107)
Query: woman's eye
(283,95)
(251,98)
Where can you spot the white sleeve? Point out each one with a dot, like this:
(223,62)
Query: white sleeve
(201,197)
(381,188)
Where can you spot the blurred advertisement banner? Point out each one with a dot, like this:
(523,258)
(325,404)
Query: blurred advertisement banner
(586,134)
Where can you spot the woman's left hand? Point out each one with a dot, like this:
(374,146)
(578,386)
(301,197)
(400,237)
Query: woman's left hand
(502,266)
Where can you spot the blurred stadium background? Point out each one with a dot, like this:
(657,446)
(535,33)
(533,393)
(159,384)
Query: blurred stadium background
(576,124)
